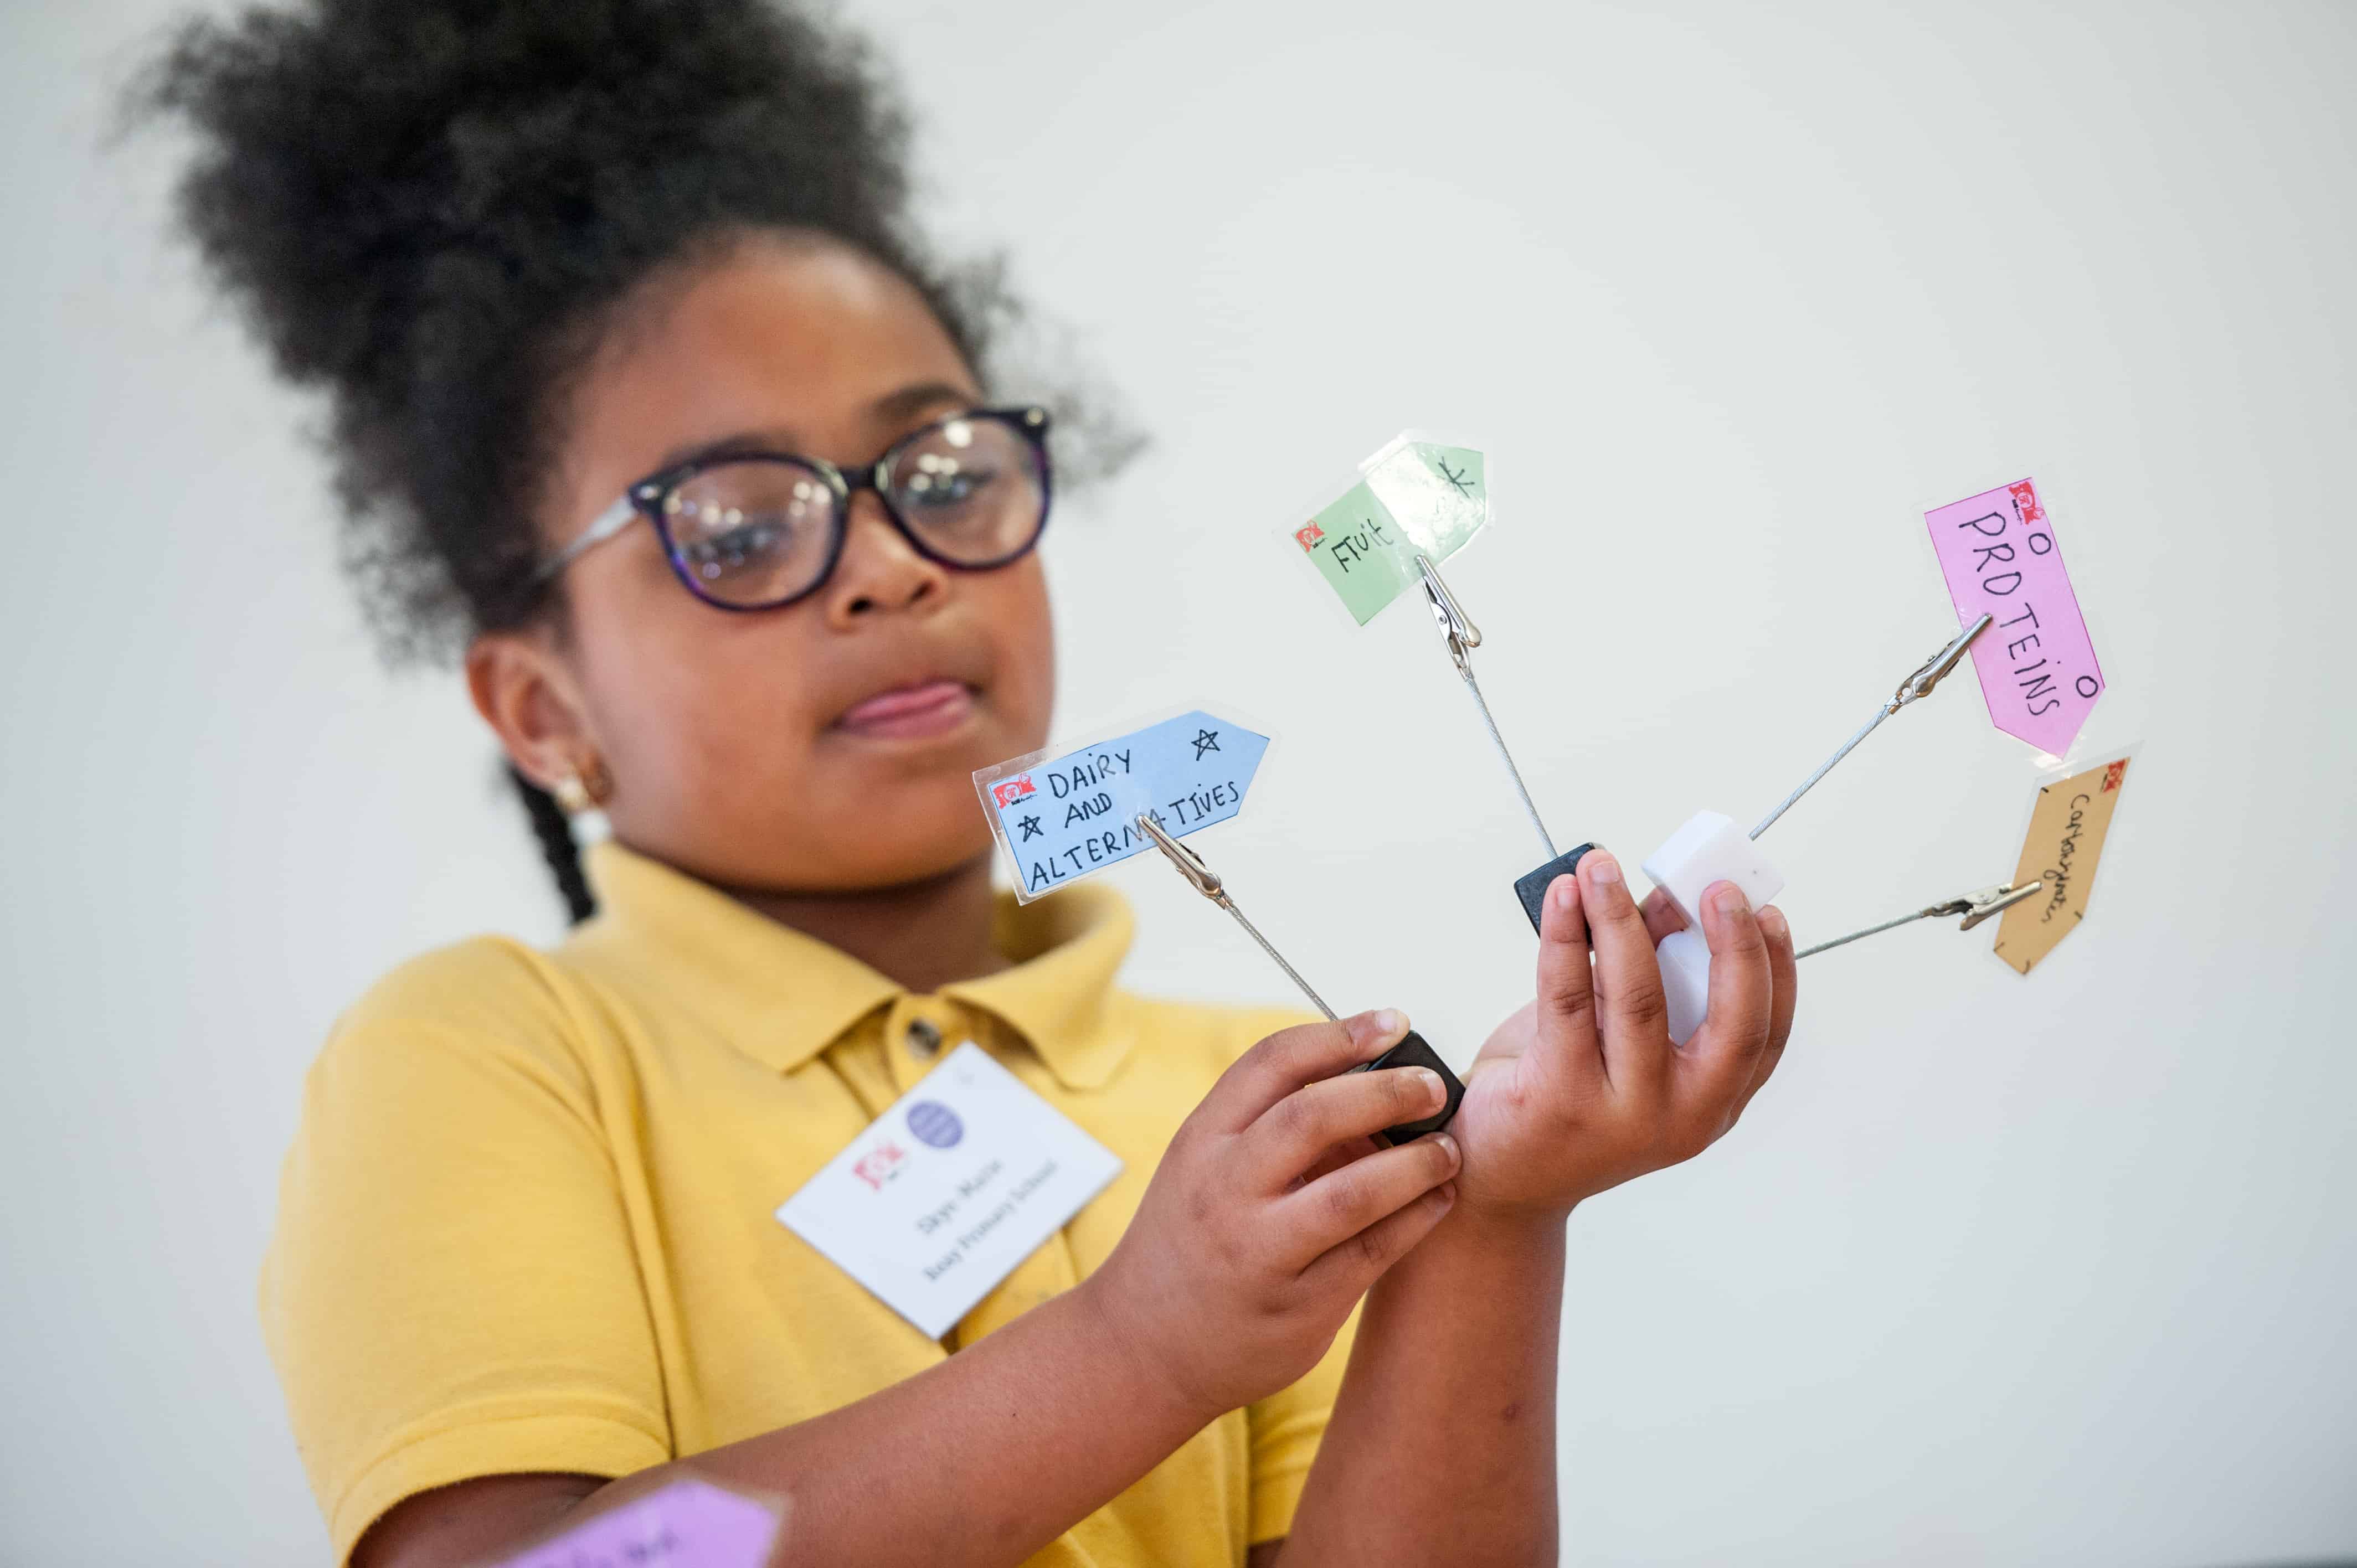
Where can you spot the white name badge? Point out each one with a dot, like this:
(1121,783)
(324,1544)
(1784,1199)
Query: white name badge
(947,1191)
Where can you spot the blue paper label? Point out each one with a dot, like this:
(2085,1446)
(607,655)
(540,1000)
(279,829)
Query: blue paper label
(1066,817)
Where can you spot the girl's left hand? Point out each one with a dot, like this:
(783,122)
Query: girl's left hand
(1582,1090)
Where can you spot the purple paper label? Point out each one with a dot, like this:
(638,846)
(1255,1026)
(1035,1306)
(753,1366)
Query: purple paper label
(2038,669)
(688,1524)
(935,1123)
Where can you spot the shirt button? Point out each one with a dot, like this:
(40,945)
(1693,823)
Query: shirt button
(924,1038)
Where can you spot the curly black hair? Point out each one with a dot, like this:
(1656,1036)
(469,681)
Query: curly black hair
(426,207)
(429,209)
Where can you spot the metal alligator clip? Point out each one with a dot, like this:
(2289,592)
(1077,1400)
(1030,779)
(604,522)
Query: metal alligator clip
(1980,904)
(1455,624)
(1937,668)
(1412,1051)
(1914,689)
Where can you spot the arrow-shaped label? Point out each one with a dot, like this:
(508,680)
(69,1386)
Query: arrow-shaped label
(2038,669)
(1062,816)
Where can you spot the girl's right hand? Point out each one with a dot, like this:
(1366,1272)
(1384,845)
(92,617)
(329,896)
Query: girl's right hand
(1255,1240)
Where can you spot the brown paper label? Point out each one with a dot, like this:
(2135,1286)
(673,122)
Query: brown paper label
(2066,839)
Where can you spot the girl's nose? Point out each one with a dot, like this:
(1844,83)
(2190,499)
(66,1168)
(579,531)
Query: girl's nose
(880,569)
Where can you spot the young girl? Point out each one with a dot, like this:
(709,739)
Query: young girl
(643,389)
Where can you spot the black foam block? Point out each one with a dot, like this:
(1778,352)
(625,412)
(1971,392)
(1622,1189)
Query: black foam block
(1531,888)
(1414,1052)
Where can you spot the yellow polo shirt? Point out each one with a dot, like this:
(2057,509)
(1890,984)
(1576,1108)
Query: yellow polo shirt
(527,1223)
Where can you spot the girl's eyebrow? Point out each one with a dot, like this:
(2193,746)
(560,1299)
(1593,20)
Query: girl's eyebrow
(920,398)
(741,443)
(893,408)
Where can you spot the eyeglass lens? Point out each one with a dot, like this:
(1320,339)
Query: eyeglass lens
(759,530)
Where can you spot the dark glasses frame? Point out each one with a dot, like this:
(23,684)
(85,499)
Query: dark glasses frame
(648,498)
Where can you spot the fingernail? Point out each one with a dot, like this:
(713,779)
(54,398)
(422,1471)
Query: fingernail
(1565,889)
(1771,921)
(1390,1021)
(1447,1194)
(1448,1145)
(1730,899)
(1432,1092)
(1601,868)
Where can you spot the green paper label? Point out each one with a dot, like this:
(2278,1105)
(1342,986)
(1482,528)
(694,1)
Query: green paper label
(1418,497)
(1361,550)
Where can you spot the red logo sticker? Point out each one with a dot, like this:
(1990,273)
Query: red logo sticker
(2113,775)
(1308,535)
(1013,789)
(2025,501)
(876,1166)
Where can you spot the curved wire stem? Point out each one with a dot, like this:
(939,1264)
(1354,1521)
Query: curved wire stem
(1914,689)
(1530,807)
(1456,629)
(1224,902)
(1870,931)
(1810,783)
(1204,880)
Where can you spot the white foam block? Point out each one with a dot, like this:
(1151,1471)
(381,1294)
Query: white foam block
(1686,981)
(1709,848)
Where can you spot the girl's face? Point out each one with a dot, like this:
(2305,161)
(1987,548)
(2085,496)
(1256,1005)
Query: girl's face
(826,746)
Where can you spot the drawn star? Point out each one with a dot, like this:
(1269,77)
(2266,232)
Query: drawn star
(1457,477)
(1206,740)
(1031,829)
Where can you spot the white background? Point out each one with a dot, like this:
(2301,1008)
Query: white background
(1998,1271)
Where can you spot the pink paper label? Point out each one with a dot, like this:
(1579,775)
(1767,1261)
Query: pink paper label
(687,1524)
(2038,670)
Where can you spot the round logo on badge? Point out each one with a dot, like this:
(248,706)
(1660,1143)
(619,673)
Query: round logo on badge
(935,1123)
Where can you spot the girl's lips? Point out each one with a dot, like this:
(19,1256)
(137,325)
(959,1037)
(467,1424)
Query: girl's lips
(911,713)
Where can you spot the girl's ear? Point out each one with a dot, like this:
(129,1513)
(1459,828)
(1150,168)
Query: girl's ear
(528,696)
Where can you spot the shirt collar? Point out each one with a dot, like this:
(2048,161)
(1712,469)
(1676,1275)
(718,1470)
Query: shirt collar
(1057,994)
(782,997)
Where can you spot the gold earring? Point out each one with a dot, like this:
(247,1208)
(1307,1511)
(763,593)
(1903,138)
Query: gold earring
(584,789)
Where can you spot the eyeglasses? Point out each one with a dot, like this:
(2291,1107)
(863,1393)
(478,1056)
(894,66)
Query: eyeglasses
(757,531)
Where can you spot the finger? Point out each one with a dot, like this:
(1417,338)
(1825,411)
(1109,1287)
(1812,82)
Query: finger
(1566,983)
(1353,1265)
(1720,1060)
(1291,1057)
(1335,1158)
(1628,977)
(1296,1132)
(1353,1258)
(1333,1208)
(1784,975)
(1662,915)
